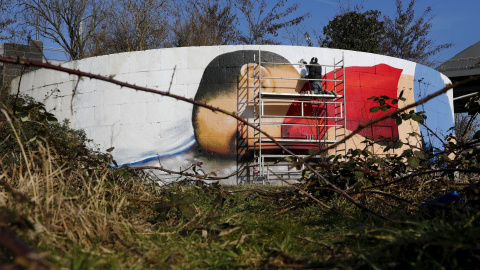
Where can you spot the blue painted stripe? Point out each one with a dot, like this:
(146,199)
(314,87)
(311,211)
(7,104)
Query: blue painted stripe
(174,152)
(438,111)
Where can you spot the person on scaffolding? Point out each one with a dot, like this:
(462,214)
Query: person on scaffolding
(315,73)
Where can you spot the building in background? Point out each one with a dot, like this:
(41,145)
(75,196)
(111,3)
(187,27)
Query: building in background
(461,67)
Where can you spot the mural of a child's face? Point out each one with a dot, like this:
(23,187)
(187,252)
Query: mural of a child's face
(216,132)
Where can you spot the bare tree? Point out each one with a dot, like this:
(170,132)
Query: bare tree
(132,25)
(406,36)
(466,126)
(7,19)
(205,22)
(69,23)
(265,20)
(346,6)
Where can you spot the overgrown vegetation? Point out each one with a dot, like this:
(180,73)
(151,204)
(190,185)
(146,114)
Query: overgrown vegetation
(63,206)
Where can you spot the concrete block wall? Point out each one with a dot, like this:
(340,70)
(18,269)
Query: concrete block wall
(33,51)
(146,128)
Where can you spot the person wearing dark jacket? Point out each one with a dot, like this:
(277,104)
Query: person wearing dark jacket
(315,73)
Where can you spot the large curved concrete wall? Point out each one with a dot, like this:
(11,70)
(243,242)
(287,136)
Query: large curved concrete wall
(146,128)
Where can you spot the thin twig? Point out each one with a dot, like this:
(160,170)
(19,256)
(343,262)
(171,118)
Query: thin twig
(421,173)
(301,191)
(313,241)
(171,80)
(18,90)
(182,173)
(74,92)
(433,133)
(382,193)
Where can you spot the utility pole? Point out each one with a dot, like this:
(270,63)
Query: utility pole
(38,23)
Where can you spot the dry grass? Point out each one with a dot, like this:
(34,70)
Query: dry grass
(52,204)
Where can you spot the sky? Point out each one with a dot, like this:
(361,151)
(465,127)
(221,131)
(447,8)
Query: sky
(454,21)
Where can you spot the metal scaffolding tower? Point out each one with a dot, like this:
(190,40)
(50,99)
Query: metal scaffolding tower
(321,116)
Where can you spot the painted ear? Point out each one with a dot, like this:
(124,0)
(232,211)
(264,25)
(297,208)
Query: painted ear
(253,71)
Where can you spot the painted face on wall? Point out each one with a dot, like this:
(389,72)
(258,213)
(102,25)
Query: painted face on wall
(228,83)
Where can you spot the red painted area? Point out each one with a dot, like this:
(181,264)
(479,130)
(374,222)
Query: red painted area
(361,83)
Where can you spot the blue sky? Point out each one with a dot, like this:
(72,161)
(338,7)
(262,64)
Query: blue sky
(454,21)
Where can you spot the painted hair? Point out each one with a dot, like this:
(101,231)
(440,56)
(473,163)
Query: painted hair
(222,73)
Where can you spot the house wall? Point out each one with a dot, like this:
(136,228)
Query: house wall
(149,129)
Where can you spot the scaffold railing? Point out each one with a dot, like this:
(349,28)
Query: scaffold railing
(319,119)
